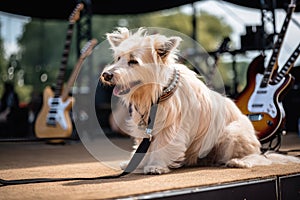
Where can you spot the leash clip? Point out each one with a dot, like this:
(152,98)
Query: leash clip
(148,131)
(151,120)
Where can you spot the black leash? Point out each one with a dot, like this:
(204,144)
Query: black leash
(134,162)
(132,165)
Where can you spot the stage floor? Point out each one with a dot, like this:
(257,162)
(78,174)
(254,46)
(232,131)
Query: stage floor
(20,160)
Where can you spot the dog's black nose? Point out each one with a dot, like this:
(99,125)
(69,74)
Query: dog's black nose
(107,76)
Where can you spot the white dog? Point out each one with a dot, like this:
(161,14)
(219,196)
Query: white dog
(194,125)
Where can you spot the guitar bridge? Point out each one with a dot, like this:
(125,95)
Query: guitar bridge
(51,121)
(255,117)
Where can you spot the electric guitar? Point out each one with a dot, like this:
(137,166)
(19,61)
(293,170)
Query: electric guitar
(53,121)
(260,99)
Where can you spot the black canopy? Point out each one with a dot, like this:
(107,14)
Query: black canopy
(60,9)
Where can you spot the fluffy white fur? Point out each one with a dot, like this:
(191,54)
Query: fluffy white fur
(195,126)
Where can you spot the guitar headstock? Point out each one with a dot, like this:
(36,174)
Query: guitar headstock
(75,15)
(292,4)
(88,47)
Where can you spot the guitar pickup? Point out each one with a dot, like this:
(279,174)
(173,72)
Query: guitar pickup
(257,105)
(52,111)
(261,92)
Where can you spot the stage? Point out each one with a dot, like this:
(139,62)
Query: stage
(20,160)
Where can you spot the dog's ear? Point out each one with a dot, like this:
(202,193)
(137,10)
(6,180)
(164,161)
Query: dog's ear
(117,37)
(165,48)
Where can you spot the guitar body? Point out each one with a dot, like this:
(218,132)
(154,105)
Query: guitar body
(263,106)
(54,119)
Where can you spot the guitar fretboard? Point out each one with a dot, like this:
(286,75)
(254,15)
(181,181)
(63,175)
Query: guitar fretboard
(64,61)
(288,65)
(277,47)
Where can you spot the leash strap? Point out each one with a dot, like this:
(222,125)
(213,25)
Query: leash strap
(132,165)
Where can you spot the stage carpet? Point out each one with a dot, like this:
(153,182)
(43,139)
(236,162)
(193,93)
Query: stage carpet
(23,160)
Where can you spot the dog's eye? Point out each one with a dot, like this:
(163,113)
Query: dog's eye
(118,58)
(132,62)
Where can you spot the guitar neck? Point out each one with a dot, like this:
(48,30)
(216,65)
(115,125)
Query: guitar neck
(64,61)
(65,93)
(75,15)
(272,65)
(85,51)
(288,65)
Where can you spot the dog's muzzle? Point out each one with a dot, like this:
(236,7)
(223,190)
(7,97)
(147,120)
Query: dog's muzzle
(118,90)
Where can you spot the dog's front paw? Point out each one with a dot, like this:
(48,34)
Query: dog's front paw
(152,169)
(236,163)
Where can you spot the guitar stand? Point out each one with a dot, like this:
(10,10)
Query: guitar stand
(274,143)
(276,146)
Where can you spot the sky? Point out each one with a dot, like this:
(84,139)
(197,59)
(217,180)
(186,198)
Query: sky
(11,28)
(235,16)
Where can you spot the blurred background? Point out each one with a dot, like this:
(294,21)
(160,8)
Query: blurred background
(32,43)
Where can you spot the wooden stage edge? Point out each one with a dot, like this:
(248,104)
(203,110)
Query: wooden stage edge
(281,188)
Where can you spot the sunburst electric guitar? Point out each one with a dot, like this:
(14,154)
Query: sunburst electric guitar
(261,98)
(53,120)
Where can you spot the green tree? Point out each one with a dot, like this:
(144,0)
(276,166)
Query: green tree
(210,29)
(42,43)
(3,63)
